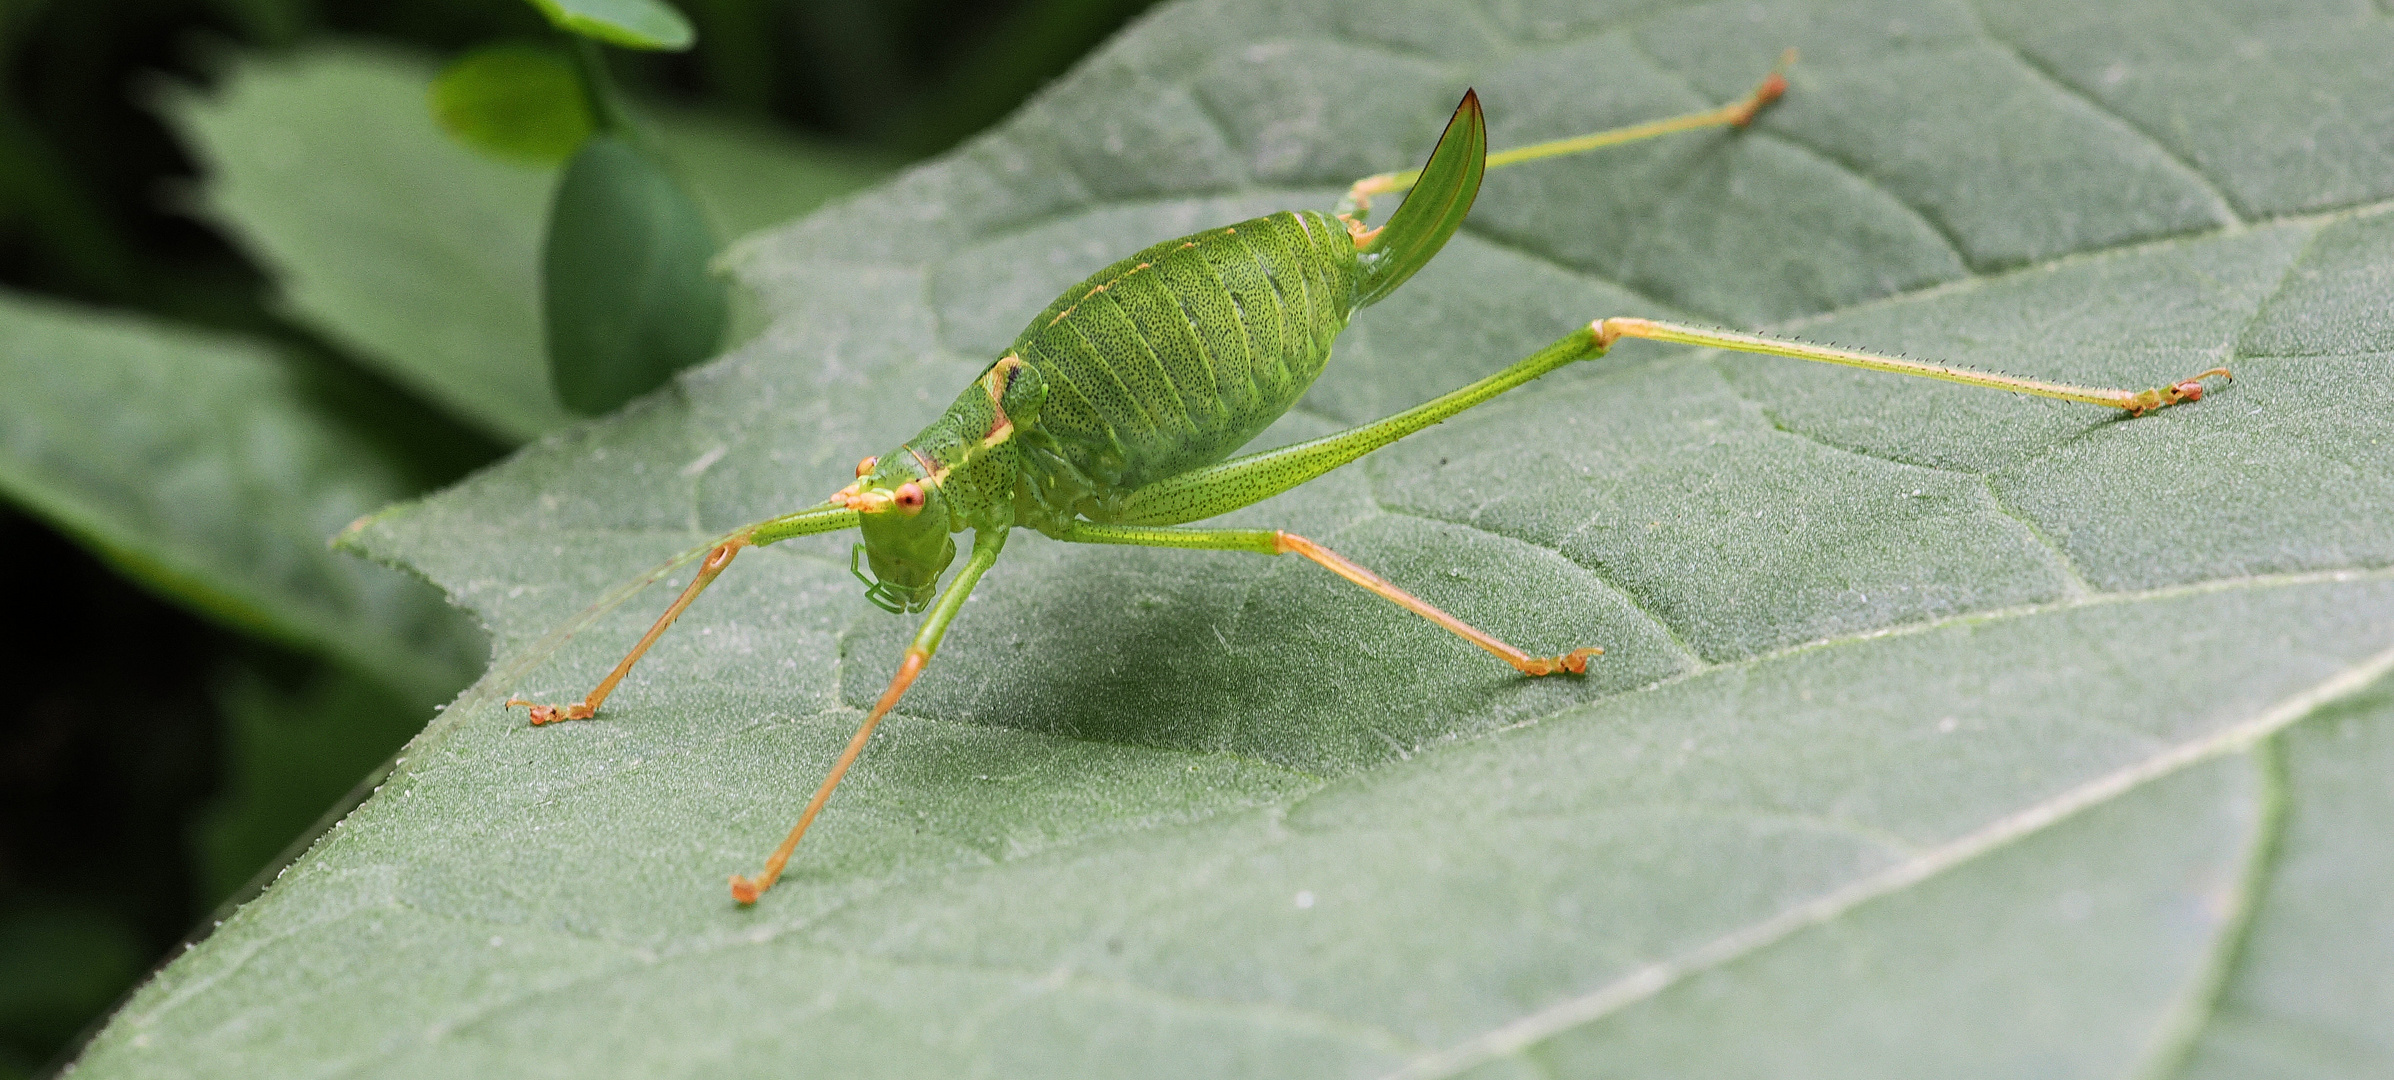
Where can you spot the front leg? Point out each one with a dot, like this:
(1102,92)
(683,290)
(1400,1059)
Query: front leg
(986,545)
(828,517)
(1276,542)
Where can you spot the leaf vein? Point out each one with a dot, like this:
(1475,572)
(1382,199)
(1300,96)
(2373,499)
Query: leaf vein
(1654,978)
(2078,585)
(2180,1036)
(2224,205)
(1669,632)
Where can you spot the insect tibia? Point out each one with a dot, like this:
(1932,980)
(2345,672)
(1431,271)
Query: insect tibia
(718,557)
(2134,402)
(1356,207)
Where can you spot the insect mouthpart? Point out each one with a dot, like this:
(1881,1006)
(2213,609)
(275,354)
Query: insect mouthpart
(887,597)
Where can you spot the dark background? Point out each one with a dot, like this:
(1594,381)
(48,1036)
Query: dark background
(113,703)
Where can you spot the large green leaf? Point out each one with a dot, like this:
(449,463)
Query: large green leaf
(1940,733)
(418,254)
(198,465)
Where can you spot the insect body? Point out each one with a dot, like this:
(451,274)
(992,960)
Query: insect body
(1110,419)
(1161,364)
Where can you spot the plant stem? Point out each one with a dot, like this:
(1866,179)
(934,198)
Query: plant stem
(598,86)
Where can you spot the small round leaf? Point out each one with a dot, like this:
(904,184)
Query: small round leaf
(632,24)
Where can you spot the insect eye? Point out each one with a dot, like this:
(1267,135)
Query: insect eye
(866,466)
(910,496)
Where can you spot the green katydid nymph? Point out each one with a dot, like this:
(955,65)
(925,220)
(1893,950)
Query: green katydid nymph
(1113,417)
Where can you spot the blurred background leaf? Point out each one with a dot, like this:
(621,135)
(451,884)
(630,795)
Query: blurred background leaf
(195,465)
(633,24)
(320,154)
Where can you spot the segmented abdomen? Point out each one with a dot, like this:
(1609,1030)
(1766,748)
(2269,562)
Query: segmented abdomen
(1176,356)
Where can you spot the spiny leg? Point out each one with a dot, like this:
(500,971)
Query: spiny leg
(1243,481)
(1276,542)
(1357,206)
(2134,402)
(986,545)
(826,518)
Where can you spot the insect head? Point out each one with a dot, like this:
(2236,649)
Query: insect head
(904,521)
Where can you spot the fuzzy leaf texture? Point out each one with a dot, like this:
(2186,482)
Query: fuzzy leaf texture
(1940,732)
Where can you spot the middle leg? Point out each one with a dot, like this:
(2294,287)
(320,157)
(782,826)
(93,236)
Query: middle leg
(1276,542)
(987,543)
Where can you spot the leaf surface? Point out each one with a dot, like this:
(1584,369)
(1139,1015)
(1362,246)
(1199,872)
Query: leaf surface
(1939,732)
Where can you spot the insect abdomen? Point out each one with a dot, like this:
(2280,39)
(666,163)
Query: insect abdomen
(1176,356)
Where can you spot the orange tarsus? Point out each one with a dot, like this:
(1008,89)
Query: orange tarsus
(2181,392)
(2193,387)
(1575,662)
(550,714)
(1773,87)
